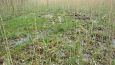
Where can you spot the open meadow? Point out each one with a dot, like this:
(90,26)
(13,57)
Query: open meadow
(57,32)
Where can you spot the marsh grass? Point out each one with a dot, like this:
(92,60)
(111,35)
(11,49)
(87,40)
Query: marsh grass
(6,44)
(70,42)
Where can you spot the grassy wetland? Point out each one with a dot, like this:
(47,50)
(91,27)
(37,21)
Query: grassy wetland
(57,32)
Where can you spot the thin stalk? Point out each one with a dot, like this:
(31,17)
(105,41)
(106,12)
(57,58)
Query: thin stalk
(9,59)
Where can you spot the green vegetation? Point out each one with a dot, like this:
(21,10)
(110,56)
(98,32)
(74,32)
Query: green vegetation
(55,35)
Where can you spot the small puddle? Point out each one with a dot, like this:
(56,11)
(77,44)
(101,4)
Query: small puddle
(38,35)
(16,42)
